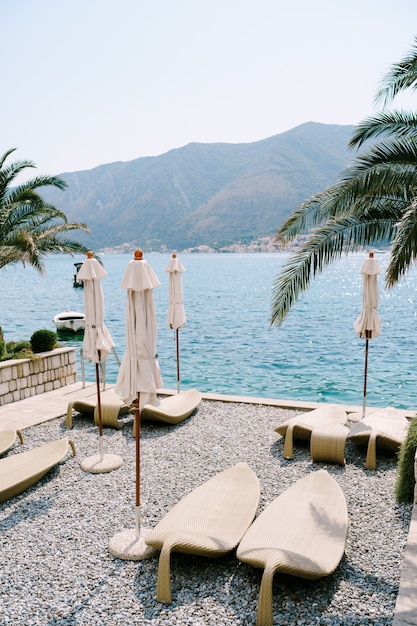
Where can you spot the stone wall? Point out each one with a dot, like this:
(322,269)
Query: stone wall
(46,371)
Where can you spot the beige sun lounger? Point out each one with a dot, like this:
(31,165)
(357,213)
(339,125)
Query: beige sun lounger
(20,471)
(301,533)
(328,442)
(209,521)
(384,428)
(302,425)
(170,410)
(7,439)
(112,407)
(173,409)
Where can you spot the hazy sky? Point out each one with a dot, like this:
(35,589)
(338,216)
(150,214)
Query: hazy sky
(87,82)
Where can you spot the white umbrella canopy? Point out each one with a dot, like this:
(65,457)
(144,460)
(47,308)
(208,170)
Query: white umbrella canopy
(176,311)
(97,344)
(368,325)
(139,371)
(97,341)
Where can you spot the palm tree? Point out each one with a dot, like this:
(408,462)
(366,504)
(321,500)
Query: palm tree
(30,228)
(374,202)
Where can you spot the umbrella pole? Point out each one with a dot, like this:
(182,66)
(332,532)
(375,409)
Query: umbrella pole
(115,356)
(365,378)
(178,358)
(128,544)
(82,366)
(99,418)
(137,436)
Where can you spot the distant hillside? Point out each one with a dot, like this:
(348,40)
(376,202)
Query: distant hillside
(211,194)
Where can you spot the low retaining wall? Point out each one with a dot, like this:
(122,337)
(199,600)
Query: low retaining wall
(46,371)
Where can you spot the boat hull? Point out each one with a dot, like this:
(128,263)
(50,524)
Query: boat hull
(70,322)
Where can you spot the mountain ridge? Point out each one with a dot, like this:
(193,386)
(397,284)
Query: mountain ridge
(215,194)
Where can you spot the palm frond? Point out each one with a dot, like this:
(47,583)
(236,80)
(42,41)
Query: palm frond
(404,247)
(395,151)
(43,181)
(57,229)
(30,227)
(27,214)
(397,123)
(401,76)
(339,236)
(6,155)
(301,220)
(366,186)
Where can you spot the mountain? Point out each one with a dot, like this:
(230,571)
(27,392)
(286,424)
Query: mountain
(204,194)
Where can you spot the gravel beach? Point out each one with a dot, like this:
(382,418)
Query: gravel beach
(56,569)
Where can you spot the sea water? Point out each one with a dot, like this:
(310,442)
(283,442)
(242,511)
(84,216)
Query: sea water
(227,345)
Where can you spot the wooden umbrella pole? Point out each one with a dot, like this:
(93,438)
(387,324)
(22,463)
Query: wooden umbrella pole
(100,423)
(365,378)
(99,417)
(137,436)
(178,358)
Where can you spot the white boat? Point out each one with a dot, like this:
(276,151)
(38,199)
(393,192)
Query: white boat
(70,321)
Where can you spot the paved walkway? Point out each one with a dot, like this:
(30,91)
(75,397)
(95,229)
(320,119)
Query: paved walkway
(47,406)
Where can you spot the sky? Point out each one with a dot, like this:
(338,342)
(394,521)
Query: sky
(89,82)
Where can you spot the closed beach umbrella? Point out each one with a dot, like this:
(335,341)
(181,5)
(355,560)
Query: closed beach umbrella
(97,341)
(139,375)
(368,325)
(176,312)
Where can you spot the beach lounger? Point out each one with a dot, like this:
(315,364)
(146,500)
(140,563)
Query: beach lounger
(302,425)
(383,428)
(172,409)
(7,439)
(301,533)
(20,471)
(209,521)
(328,442)
(112,407)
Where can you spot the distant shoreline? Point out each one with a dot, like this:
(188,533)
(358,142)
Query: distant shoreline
(262,245)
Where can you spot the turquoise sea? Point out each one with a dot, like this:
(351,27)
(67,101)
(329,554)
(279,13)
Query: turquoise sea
(227,345)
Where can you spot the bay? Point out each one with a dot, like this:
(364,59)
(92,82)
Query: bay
(228,345)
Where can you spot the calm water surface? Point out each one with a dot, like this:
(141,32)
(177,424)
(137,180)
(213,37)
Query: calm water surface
(228,345)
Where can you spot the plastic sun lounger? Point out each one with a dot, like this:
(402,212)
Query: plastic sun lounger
(20,471)
(384,428)
(302,425)
(301,533)
(7,439)
(209,521)
(112,407)
(172,409)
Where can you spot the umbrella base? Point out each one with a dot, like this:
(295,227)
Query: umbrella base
(126,545)
(95,465)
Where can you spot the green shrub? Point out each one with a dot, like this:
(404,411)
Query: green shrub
(404,488)
(18,346)
(16,350)
(43,340)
